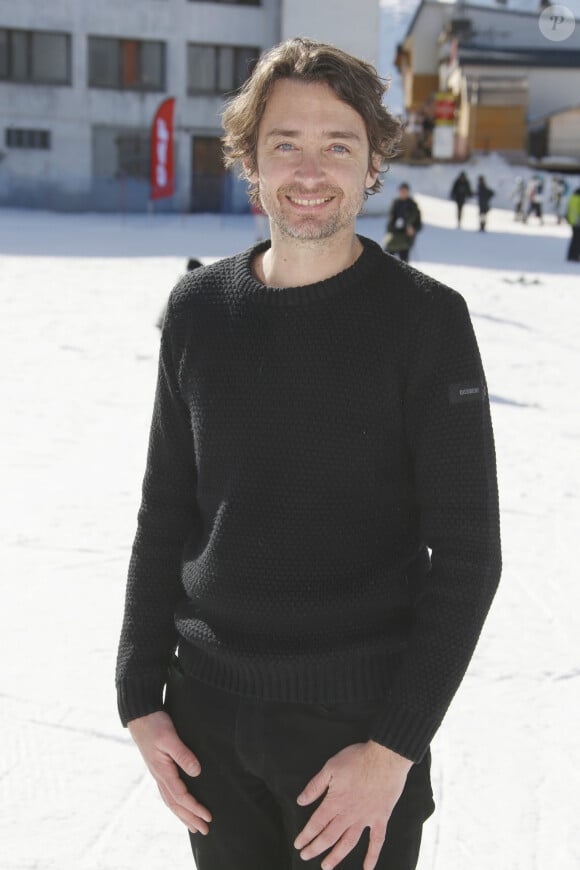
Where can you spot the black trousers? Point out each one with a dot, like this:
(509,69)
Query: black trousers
(256,757)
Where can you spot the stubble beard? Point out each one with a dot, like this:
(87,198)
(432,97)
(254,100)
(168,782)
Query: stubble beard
(313,227)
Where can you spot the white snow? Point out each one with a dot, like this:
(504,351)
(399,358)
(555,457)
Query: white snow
(80,296)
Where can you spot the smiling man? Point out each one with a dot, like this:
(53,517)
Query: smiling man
(312,178)
(318,538)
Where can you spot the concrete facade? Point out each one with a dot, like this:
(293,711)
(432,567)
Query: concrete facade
(87,123)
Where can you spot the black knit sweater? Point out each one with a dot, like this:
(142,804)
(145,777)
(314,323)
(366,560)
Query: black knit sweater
(319,519)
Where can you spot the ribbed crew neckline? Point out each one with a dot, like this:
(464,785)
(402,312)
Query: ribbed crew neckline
(348,279)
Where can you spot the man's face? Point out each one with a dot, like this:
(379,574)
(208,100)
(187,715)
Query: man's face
(312,161)
(403,192)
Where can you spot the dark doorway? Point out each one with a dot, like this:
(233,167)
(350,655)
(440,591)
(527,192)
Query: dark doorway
(208,175)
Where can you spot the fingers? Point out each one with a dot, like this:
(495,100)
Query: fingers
(363,782)
(332,835)
(344,846)
(344,842)
(164,752)
(317,823)
(315,788)
(376,842)
(180,753)
(176,795)
(187,810)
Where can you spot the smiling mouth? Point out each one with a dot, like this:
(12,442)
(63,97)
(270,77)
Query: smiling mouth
(319,201)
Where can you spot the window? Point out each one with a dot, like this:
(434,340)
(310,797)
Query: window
(121,153)
(217,69)
(35,57)
(130,64)
(134,155)
(16,138)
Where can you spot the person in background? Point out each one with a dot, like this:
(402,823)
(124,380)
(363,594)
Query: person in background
(558,192)
(519,197)
(535,198)
(573,218)
(460,192)
(484,197)
(403,224)
(318,542)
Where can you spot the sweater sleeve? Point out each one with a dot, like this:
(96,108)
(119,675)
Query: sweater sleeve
(167,517)
(450,435)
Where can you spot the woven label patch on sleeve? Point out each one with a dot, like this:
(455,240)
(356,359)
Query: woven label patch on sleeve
(467,392)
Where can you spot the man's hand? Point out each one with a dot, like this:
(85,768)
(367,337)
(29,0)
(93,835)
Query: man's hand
(162,750)
(363,783)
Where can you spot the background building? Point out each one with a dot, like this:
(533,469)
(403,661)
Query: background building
(80,83)
(506,75)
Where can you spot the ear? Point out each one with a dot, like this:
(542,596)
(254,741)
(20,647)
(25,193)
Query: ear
(374,169)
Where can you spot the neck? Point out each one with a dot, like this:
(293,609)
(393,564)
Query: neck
(297,263)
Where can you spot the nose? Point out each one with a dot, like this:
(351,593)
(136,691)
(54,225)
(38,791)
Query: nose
(310,169)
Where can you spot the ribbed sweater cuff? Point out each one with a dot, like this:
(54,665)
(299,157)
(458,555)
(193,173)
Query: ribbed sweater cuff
(139,696)
(403,731)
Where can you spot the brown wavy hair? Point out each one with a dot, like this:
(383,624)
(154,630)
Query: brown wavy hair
(354,81)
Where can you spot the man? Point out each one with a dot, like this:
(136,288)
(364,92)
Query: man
(484,197)
(518,195)
(318,534)
(403,224)
(558,193)
(535,198)
(460,192)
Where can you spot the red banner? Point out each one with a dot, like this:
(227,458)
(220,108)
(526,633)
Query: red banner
(444,108)
(162,169)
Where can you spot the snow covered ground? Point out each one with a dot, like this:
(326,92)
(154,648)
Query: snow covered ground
(80,295)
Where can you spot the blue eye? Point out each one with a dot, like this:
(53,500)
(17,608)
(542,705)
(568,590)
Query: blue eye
(285,146)
(339,149)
